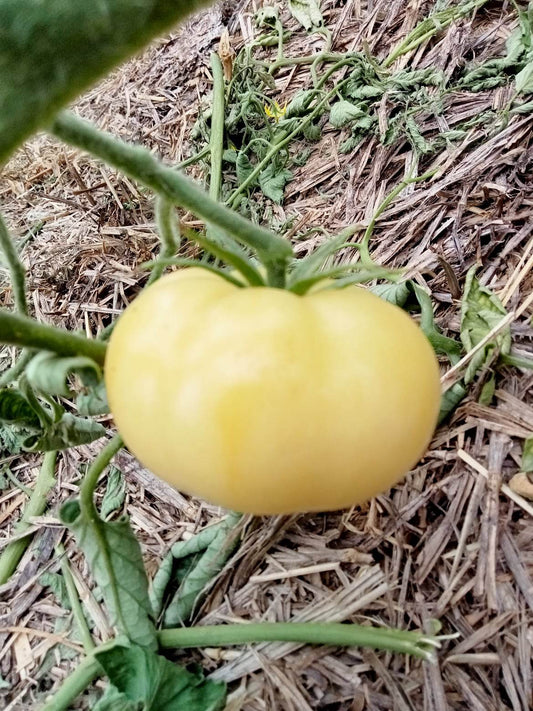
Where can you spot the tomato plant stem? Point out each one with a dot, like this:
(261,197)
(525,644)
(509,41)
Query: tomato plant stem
(366,259)
(75,684)
(141,165)
(429,27)
(330,633)
(167,227)
(17,330)
(216,140)
(16,268)
(90,480)
(75,604)
(36,505)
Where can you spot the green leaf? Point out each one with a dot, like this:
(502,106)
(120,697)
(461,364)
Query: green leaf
(312,132)
(307,12)
(150,679)
(396,294)
(15,409)
(300,103)
(11,439)
(93,401)
(344,275)
(524,79)
(49,373)
(229,253)
(343,112)
(272,182)
(243,167)
(51,51)
(527,455)
(69,431)
(115,492)
(417,139)
(190,566)
(514,46)
(114,700)
(450,400)
(115,558)
(481,311)
(487,392)
(4,684)
(56,583)
(441,344)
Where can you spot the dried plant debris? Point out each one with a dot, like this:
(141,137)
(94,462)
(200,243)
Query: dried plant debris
(330,106)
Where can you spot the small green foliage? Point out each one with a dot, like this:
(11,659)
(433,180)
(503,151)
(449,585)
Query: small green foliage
(481,311)
(189,567)
(68,431)
(115,493)
(148,679)
(343,113)
(307,12)
(16,410)
(114,700)
(28,424)
(527,455)
(272,182)
(116,563)
(56,583)
(487,391)
(50,373)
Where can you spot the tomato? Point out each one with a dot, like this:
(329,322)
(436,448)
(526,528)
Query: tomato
(266,402)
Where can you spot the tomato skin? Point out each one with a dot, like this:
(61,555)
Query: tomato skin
(265,402)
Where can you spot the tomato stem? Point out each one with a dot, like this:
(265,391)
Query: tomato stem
(330,633)
(75,604)
(141,165)
(216,141)
(16,268)
(90,480)
(14,551)
(17,330)
(168,230)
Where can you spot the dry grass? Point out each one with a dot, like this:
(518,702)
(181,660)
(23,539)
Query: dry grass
(454,542)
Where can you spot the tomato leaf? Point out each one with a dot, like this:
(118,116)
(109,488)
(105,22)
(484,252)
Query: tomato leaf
(307,12)
(147,678)
(57,585)
(345,275)
(316,260)
(114,700)
(115,492)
(69,431)
(396,294)
(243,167)
(49,373)
(481,311)
(15,409)
(450,399)
(190,566)
(441,344)
(115,558)
(272,182)
(229,254)
(524,80)
(61,47)
(527,455)
(93,401)
(344,112)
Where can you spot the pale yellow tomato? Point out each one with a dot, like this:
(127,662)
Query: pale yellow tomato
(266,402)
